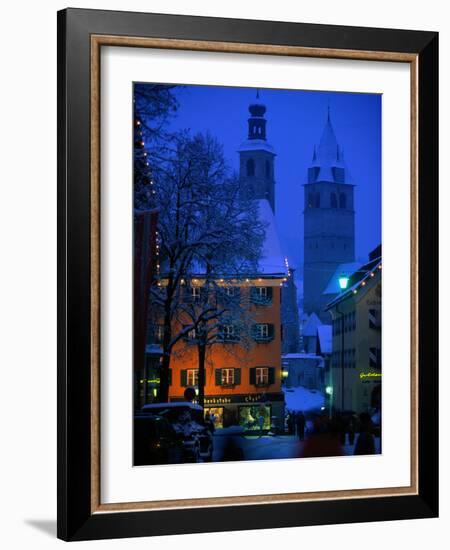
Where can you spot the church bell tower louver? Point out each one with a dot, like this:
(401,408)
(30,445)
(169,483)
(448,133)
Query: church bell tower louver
(329,220)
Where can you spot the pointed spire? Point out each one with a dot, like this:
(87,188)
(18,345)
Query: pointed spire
(327,157)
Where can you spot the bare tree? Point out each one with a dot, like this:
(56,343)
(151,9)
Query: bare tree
(206,229)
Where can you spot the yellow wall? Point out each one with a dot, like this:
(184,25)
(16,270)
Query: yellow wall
(358,390)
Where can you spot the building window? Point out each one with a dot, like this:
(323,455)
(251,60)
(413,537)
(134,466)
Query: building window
(310,200)
(191,335)
(159,333)
(263,332)
(317,200)
(192,377)
(375,358)
(155,333)
(227,377)
(267,169)
(250,167)
(261,295)
(342,200)
(339,174)
(229,333)
(374,319)
(333,200)
(194,293)
(349,321)
(262,376)
(230,291)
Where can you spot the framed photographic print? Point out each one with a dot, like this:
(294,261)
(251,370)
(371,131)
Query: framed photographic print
(247,274)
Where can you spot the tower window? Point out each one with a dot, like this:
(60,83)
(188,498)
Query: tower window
(333,200)
(338,174)
(267,169)
(317,200)
(310,200)
(342,200)
(250,167)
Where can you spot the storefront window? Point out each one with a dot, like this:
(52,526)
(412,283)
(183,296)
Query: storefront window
(216,415)
(255,417)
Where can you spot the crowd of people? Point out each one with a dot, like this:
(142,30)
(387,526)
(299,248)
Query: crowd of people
(325,436)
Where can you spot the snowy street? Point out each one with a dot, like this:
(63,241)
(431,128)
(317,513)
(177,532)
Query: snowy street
(266,447)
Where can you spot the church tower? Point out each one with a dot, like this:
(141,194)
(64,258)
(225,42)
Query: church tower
(329,221)
(257,156)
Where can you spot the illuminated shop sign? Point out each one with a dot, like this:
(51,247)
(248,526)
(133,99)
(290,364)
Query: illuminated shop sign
(365,375)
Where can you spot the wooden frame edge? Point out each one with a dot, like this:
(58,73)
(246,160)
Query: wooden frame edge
(261,49)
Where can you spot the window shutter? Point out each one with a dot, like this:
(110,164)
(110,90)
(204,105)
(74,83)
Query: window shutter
(183,377)
(253,375)
(271,332)
(271,375)
(269,292)
(218,377)
(237,376)
(254,331)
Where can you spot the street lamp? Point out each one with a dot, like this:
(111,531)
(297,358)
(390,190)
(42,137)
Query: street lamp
(343,282)
(329,392)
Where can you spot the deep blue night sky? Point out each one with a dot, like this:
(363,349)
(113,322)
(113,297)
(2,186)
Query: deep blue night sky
(295,120)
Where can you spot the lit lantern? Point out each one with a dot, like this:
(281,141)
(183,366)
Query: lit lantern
(343,282)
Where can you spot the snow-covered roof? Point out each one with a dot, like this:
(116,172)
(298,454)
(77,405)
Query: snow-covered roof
(256,145)
(272,262)
(300,356)
(153,348)
(310,328)
(302,399)
(362,284)
(325,335)
(345,270)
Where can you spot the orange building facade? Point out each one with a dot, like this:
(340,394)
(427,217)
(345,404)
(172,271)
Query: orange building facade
(242,380)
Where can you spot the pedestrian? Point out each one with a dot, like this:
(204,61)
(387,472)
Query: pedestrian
(261,424)
(351,430)
(209,423)
(292,423)
(323,441)
(301,421)
(365,444)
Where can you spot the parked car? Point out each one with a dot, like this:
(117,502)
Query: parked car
(188,421)
(155,441)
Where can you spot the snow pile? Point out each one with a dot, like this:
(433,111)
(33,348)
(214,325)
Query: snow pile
(231,430)
(186,425)
(302,399)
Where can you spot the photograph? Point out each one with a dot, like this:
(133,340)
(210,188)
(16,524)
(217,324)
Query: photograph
(257,273)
